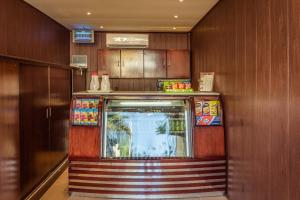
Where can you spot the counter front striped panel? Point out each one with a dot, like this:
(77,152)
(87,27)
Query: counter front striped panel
(138,179)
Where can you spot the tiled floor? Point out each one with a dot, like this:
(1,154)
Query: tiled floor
(59,191)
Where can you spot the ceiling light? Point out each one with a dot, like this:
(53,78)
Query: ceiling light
(174,28)
(181,1)
(88,13)
(175,16)
(101,27)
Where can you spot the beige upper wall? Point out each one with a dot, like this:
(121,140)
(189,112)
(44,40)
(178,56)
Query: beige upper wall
(127,15)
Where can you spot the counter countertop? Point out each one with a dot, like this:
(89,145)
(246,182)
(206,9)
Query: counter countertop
(143,93)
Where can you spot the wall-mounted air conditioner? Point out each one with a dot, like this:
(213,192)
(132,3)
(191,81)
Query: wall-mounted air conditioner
(120,40)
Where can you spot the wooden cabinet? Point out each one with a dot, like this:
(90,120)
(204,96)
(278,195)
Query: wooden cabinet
(131,63)
(59,111)
(178,64)
(136,63)
(109,61)
(34,125)
(44,114)
(155,63)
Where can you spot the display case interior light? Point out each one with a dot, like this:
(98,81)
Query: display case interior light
(146,103)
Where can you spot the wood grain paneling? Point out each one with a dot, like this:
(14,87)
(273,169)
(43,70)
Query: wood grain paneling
(84,142)
(208,142)
(294,93)
(133,84)
(78,80)
(9,131)
(253,47)
(27,33)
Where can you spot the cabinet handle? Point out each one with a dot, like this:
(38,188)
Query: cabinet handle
(50,112)
(118,63)
(47,113)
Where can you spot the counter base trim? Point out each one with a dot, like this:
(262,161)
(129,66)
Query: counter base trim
(174,196)
(143,180)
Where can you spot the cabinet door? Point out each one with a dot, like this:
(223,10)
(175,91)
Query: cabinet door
(155,63)
(109,62)
(178,64)
(131,63)
(34,125)
(60,87)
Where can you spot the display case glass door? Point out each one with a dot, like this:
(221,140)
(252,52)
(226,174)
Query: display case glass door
(146,128)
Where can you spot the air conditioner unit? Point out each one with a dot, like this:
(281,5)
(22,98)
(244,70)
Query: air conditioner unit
(120,40)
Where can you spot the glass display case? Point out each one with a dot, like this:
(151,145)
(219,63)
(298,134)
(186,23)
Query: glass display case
(146,128)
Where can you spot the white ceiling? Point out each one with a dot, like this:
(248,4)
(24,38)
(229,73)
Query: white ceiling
(126,15)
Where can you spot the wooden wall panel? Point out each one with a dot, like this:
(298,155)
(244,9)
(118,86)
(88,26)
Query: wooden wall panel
(79,82)
(9,131)
(294,93)
(253,47)
(29,34)
(156,41)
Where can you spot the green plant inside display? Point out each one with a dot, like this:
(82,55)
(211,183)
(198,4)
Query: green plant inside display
(118,133)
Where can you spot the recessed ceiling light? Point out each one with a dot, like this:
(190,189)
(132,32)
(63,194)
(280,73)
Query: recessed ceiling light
(175,16)
(88,13)
(174,28)
(101,27)
(181,1)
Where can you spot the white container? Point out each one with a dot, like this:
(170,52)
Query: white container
(94,85)
(105,85)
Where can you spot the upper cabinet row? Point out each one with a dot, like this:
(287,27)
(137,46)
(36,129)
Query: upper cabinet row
(132,63)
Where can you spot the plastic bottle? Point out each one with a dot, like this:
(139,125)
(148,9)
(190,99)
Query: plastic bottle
(94,85)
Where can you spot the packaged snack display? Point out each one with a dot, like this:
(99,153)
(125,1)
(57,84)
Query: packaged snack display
(76,117)
(208,113)
(85,112)
(179,85)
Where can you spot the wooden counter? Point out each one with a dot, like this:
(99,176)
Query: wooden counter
(204,174)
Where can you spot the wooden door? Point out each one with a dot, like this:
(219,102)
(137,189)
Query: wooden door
(178,64)
(109,62)
(131,63)
(155,64)
(60,93)
(34,125)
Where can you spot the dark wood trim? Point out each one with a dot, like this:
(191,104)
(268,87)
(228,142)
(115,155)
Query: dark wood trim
(28,61)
